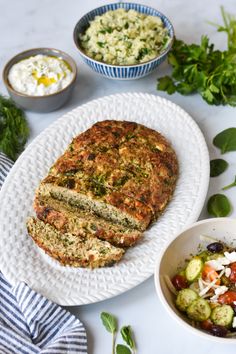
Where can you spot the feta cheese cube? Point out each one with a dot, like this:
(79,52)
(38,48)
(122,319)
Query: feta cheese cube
(234,322)
(231,256)
(227,272)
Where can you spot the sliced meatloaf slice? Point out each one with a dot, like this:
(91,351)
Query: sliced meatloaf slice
(87,194)
(66,218)
(72,250)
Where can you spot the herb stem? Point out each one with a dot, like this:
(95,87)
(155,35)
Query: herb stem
(113,343)
(230,185)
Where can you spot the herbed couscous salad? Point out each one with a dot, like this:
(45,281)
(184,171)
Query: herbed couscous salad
(123,37)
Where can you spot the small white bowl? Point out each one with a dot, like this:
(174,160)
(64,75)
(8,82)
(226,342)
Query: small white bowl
(45,103)
(174,255)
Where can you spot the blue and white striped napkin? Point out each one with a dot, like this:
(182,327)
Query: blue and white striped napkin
(29,323)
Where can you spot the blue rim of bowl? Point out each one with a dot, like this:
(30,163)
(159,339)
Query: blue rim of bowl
(10,63)
(162,298)
(123,5)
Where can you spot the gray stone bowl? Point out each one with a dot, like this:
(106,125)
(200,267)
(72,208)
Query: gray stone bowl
(45,103)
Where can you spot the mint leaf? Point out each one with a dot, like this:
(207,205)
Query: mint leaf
(109,322)
(122,349)
(127,335)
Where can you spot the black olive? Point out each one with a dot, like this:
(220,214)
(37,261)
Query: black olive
(234,308)
(215,247)
(218,331)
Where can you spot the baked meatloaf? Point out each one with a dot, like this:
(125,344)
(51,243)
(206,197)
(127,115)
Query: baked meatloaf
(111,183)
(123,171)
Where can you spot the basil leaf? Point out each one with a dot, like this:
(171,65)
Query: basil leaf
(122,349)
(218,205)
(127,335)
(217,167)
(109,322)
(230,185)
(226,140)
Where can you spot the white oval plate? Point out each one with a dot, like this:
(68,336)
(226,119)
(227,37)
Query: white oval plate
(22,260)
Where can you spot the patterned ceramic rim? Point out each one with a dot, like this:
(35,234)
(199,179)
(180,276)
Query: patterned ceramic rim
(83,22)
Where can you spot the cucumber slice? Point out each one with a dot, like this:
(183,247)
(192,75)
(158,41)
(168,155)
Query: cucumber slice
(214,256)
(194,269)
(222,315)
(203,255)
(199,310)
(182,272)
(184,298)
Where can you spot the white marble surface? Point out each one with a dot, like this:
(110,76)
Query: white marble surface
(29,23)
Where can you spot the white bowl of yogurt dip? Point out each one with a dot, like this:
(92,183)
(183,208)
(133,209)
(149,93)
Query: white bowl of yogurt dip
(40,79)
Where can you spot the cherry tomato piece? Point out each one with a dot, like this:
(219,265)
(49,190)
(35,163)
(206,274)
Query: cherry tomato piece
(209,274)
(227,298)
(215,330)
(206,325)
(232,276)
(179,282)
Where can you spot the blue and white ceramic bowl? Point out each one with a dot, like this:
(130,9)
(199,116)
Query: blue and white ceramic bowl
(123,72)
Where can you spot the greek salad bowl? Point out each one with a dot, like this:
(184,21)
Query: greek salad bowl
(123,71)
(45,102)
(195,279)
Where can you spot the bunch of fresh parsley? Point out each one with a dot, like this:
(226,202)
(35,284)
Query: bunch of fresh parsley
(202,69)
(14,130)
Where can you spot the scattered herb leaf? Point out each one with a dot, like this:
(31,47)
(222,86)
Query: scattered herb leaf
(226,140)
(122,349)
(203,69)
(217,167)
(230,185)
(166,84)
(218,205)
(14,129)
(110,323)
(127,335)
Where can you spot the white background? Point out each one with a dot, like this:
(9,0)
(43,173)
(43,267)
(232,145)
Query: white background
(28,24)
